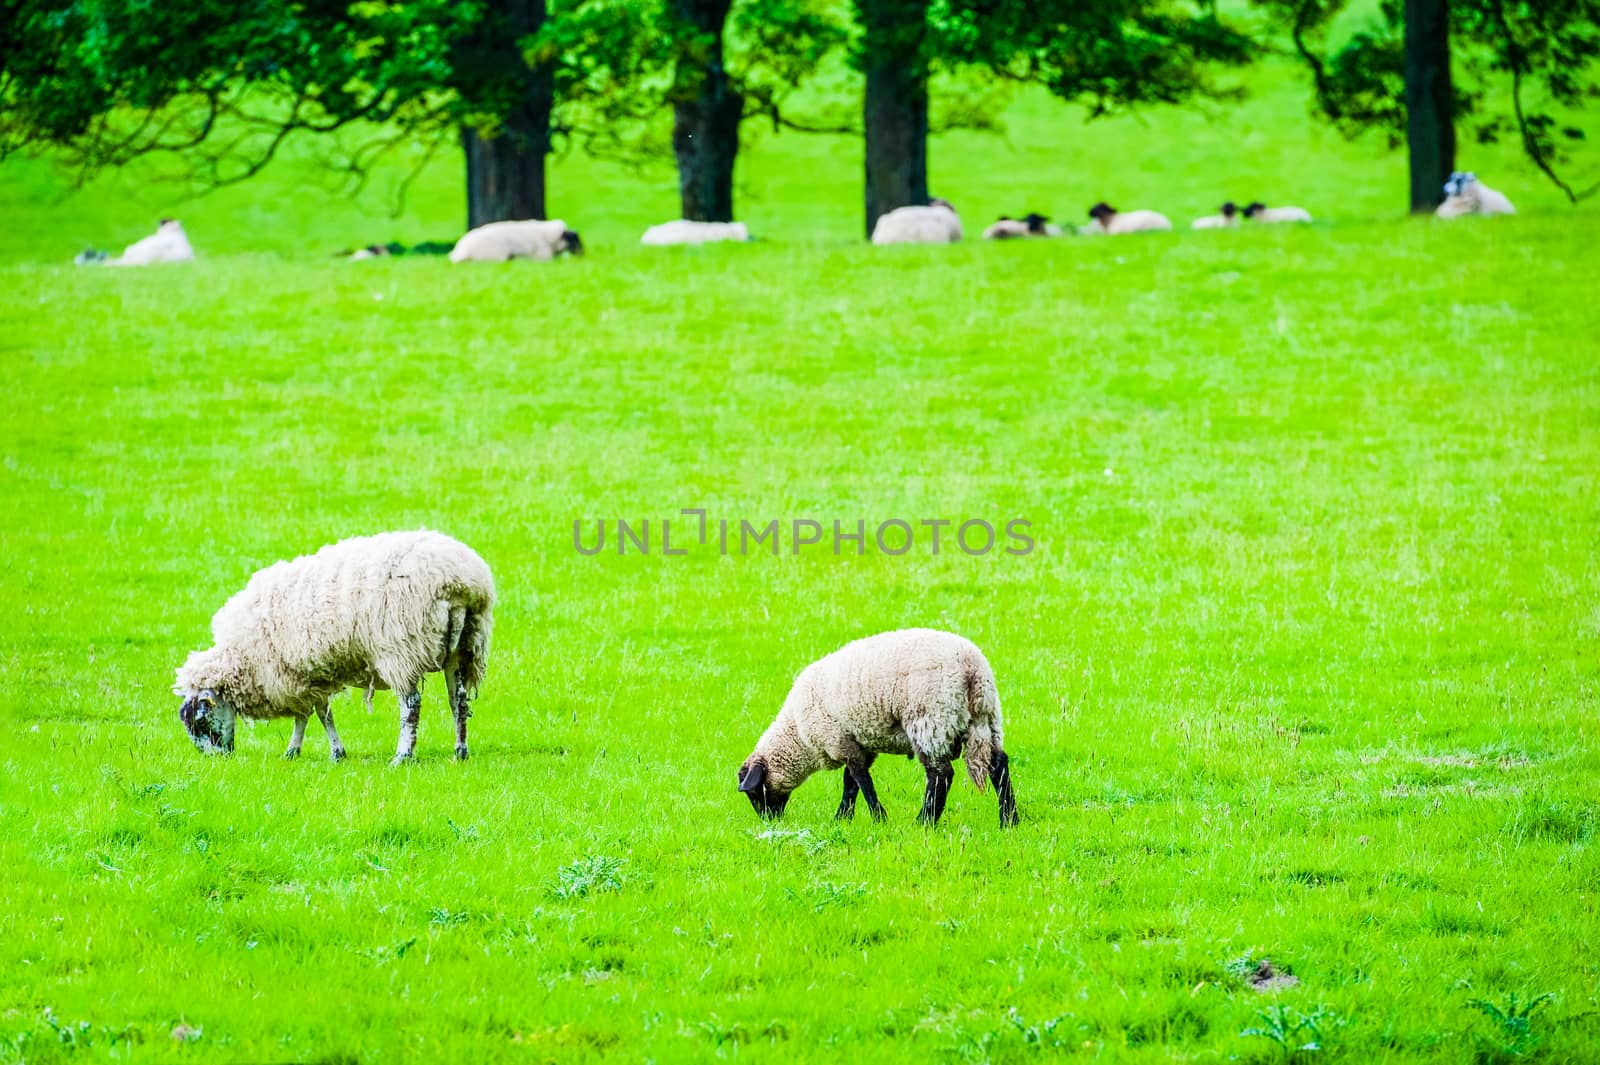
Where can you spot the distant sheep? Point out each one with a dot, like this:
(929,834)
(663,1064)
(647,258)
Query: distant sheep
(169,244)
(1033,225)
(500,241)
(917,692)
(1465,194)
(937,223)
(1261,213)
(686,231)
(1106,220)
(368,612)
(1226,218)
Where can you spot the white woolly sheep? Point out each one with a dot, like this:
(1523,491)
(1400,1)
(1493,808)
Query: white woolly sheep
(368,612)
(937,223)
(1033,225)
(1226,218)
(1260,212)
(687,231)
(1465,194)
(918,692)
(169,244)
(1107,220)
(500,241)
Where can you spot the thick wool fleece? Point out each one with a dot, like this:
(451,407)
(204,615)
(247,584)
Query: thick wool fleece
(499,241)
(934,224)
(688,231)
(916,692)
(377,611)
(1474,197)
(1274,215)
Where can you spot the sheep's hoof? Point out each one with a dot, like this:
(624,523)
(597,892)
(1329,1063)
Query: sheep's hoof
(461,753)
(291,754)
(401,759)
(337,755)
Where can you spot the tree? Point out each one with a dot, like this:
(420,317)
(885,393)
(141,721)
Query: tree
(1421,68)
(101,82)
(1113,53)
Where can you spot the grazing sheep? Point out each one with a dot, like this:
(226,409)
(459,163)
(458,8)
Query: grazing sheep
(1033,225)
(685,231)
(368,612)
(937,223)
(917,692)
(1226,218)
(500,241)
(1260,212)
(168,244)
(1107,220)
(1465,194)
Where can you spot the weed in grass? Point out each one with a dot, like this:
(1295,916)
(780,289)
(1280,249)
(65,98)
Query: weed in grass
(588,875)
(1512,1036)
(1296,1034)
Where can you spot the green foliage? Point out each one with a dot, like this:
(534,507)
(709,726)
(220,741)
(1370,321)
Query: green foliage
(1298,1035)
(1512,1036)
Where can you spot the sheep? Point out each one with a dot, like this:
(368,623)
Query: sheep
(937,223)
(367,612)
(917,692)
(1260,212)
(169,244)
(1107,220)
(1465,194)
(1033,225)
(685,231)
(1226,218)
(500,241)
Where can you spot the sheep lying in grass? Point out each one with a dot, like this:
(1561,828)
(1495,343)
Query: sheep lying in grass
(168,244)
(937,223)
(918,692)
(368,612)
(1226,218)
(1260,212)
(500,241)
(1033,225)
(686,231)
(1106,220)
(1465,194)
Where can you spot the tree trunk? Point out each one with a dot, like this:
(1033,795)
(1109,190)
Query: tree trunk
(505,169)
(706,112)
(1430,101)
(895,116)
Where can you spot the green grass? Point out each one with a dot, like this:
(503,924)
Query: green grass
(1303,668)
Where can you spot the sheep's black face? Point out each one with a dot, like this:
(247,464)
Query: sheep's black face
(768,801)
(209,722)
(1101,211)
(571,243)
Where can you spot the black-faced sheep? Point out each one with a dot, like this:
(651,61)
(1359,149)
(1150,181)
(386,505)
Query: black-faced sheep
(168,244)
(937,223)
(500,241)
(1105,219)
(1465,194)
(917,692)
(1033,225)
(1264,215)
(1226,218)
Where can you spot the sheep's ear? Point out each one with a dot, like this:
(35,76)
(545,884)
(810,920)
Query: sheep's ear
(752,776)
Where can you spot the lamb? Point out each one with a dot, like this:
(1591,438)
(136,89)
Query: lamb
(1260,212)
(1465,194)
(499,241)
(1226,218)
(368,612)
(937,223)
(685,231)
(169,244)
(1033,225)
(917,692)
(1107,220)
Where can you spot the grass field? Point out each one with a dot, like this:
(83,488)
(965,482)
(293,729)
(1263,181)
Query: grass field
(1303,667)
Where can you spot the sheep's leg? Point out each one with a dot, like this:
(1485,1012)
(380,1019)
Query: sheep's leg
(940,777)
(296,738)
(863,779)
(410,714)
(335,747)
(1000,777)
(457,690)
(847,805)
